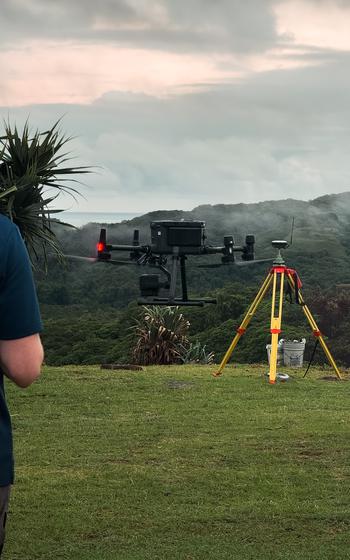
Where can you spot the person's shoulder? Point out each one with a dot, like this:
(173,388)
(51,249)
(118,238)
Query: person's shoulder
(9,235)
(6,226)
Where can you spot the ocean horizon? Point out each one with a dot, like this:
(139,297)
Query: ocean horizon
(80,219)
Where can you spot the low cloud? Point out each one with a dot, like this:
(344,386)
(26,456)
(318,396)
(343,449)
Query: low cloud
(277,135)
(229,25)
(259,133)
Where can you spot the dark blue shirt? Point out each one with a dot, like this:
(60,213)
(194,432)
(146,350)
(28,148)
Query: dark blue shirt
(19,317)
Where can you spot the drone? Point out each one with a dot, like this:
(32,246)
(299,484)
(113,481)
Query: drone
(171,243)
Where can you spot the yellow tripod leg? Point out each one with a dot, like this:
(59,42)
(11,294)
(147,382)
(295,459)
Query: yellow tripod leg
(316,331)
(276,320)
(243,326)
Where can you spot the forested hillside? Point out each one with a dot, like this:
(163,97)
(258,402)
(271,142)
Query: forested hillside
(89,310)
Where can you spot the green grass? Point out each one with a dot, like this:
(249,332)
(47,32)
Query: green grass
(171,463)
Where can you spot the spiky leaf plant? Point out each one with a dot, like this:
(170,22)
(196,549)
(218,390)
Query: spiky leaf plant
(197,353)
(161,336)
(33,172)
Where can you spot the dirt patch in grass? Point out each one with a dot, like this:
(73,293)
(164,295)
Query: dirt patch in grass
(175,384)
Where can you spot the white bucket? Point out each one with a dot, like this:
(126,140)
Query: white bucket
(293,352)
(279,352)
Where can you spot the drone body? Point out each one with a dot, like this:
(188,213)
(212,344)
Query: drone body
(171,243)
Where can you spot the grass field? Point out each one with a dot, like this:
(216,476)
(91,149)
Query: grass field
(173,464)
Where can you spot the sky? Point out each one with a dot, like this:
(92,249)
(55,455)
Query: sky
(178,103)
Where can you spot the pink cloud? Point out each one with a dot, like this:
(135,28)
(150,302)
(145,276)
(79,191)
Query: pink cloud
(319,24)
(73,73)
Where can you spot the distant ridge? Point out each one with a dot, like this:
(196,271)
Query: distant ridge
(321,240)
(329,202)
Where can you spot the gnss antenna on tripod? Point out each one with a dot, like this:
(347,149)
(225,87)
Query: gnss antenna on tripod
(279,244)
(277,276)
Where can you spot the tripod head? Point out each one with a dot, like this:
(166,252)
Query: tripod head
(279,244)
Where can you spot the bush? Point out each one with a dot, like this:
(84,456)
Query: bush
(197,353)
(162,336)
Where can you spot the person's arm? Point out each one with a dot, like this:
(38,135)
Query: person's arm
(21,359)
(21,352)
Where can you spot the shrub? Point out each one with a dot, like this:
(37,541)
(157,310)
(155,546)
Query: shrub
(197,353)
(162,336)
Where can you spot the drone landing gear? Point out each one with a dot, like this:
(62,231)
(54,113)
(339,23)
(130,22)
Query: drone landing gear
(276,277)
(175,302)
(151,294)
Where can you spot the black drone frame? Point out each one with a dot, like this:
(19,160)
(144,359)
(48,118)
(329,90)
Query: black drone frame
(174,240)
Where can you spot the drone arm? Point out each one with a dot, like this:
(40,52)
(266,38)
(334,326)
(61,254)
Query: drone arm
(210,250)
(224,249)
(130,248)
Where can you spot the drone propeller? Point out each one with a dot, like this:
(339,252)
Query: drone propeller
(122,263)
(94,260)
(79,258)
(257,261)
(235,263)
(217,265)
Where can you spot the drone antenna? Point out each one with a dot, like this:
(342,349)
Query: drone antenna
(103,236)
(291,233)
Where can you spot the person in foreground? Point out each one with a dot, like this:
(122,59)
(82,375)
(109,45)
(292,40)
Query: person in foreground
(21,351)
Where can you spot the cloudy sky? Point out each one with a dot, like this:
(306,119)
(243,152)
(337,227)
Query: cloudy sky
(185,102)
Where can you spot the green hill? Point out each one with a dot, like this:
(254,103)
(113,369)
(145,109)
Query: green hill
(320,252)
(321,240)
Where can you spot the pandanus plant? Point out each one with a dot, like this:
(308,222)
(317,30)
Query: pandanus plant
(161,336)
(33,172)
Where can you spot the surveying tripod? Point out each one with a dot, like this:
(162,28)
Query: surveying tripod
(277,276)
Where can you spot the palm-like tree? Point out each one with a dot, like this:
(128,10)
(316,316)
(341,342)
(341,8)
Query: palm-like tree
(161,336)
(33,172)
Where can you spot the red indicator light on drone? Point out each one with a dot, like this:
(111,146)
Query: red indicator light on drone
(101,247)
